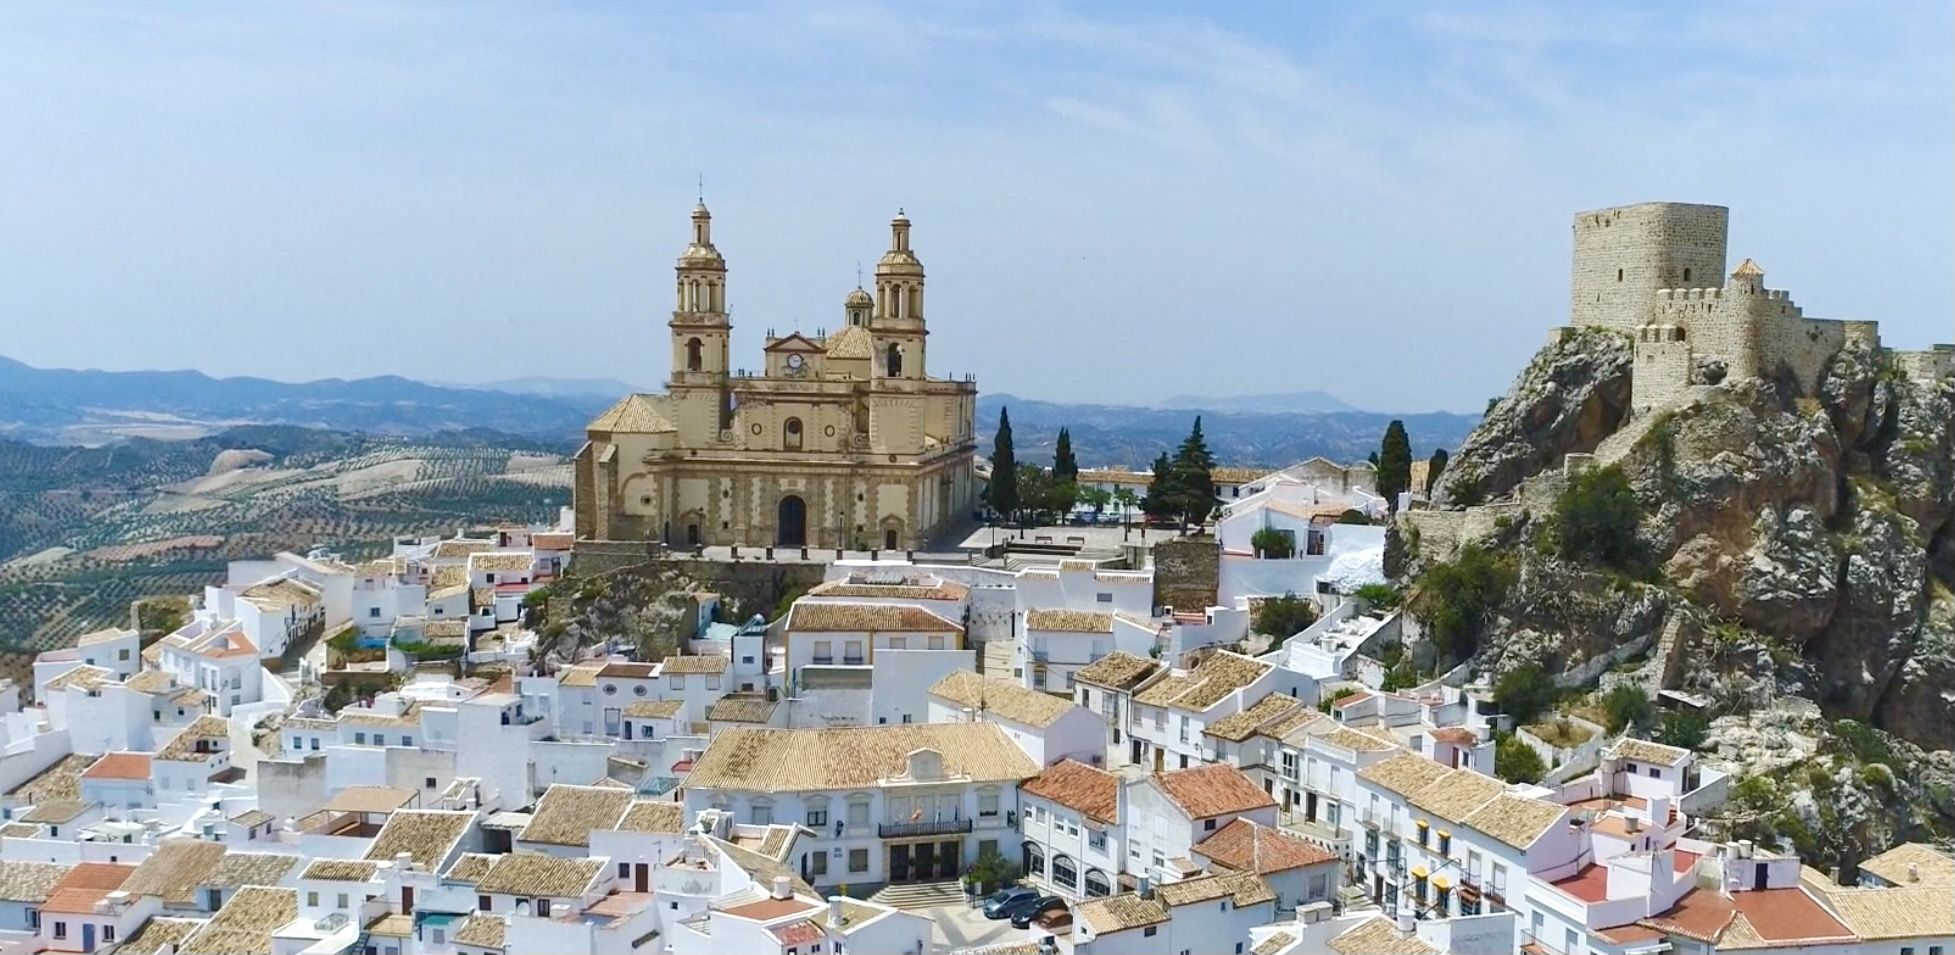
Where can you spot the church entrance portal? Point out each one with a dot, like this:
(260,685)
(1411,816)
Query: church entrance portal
(793,522)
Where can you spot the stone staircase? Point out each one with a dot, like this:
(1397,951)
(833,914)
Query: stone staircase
(921,895)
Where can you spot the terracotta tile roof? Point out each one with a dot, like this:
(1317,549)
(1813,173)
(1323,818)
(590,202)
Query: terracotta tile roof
(566,815)
(1456,735)
(1243,724)
(281,595)
(1212,790)
(709,663)
(533,874)
(175,870)
(1003,698)
(765,759)
(252,818)
(636,414)
(56,811)
(1458,794)
(822,617)
(583,674)
(654,709)
(500,562)
(735,708)
(1245,846)
(1119,913)
(1069,621)
(183,748)
(481,931)
(340,870)
(29,881)
(1276,942)
(1117,670)
(392,925)
(428,835)
(762,869)
(1092,792)
(1516,820)
(1403,774)
(1378,936)
(1930,866)
(1644,751)
(797,933)
(153,682)
(668,817)
(19,830)
(59,781)
(119,766)
(628,670)
(767,909)
(158,932)
(1894,913)
(1218,676)
(94,637)
(852,342)
(469,867)
(83,677)
(251,868)
(1344,737)
(245,924)
(1242,888)
(462,547)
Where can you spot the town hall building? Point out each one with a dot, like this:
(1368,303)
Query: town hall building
(841,440)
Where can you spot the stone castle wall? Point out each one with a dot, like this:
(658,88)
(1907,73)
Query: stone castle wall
(1624,255)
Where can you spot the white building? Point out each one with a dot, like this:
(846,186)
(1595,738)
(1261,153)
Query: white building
(1168,814)
(1075,842)
(1046,727)
(1202,914)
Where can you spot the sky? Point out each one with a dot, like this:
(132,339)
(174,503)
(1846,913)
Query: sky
(1115,202)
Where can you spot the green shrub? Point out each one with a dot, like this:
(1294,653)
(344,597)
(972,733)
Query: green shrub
(1863,741)
(1596,518)
(1273,544)
(1353,516)
(1627,708)
(1456,598)
(1517,762)
(1683,729)
(1524,693)
(1379,596)
(1284,617)
(1400,677)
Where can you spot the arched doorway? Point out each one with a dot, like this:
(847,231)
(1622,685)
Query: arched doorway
(793,522)
(695,355)
(1034,860)
(1097,886)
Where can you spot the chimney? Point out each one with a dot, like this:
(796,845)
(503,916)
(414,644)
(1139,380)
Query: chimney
(783,887)
(1744,848)
(1406,924)
(1313,913)
(1632,822)
(1913,872)
(834,913)
(403,862)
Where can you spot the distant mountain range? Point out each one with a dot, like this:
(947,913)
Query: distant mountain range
(1127,436)
(53,406)
(1289,402)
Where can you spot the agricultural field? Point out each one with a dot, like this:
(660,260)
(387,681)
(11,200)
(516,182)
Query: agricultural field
(84,531)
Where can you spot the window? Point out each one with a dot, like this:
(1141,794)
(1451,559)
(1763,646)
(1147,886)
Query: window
(817,817)
(60,930)
(481,902)
(936,643)
(763,814)
(624,870)
(407,741)
(859,812)
(315,744)
(373,612)
(1445,843)
(108,933)
(987,804)
(747,659)
(1208,825)
(543,908)
(677,681)
(360,738)
(818,863)
(824,651)
(712,682)
(122,654)
(34,919)
(1104,597)
(312,899)
(1096,839)
(1653,772)
(639,690)
(1148,932)
(298,743)
(858,860)
(427,782)
(342,901)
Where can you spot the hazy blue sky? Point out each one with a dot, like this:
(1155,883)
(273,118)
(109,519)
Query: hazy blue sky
(1114,201)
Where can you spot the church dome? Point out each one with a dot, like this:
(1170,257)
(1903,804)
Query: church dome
(700,253)
(858,299)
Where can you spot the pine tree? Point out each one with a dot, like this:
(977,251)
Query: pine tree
(1394,463)
(1003,491)
(1159,502)
(1435,466)
(1065,469)
(1193,482)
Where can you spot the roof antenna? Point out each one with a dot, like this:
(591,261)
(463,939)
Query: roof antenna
(702,188)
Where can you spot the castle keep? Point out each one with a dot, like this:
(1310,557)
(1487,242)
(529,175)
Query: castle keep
(1648,270)
(841,440)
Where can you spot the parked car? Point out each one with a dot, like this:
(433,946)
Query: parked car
(1024,914)
(1001,902)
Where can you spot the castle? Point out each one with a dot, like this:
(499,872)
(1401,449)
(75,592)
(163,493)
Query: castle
(1646,270)
(842,440)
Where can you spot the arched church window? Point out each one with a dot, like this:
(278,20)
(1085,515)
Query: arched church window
(894,364)
(695,354)
(792,432)
(916,302)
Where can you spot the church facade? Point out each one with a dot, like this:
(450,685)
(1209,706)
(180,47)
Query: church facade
(840,440)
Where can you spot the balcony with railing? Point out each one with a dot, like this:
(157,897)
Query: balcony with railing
(926,827)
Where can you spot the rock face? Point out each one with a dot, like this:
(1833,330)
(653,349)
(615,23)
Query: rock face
(1573,394)
(1819,527)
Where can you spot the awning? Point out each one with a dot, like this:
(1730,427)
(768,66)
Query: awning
(1418,872)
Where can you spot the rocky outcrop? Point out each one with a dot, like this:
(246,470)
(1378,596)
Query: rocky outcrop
(1572,395)
(1812,536)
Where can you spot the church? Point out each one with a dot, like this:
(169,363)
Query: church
(840,440)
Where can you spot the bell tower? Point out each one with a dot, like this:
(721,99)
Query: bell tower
(897,323)
(700,327)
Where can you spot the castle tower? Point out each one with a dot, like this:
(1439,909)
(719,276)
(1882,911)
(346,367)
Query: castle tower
(700,327)
(898,319)
(1624,256)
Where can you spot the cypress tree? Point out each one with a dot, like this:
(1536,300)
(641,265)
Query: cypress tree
(1394,463)
(1159,500)
(1065,470)
(1435,466)
(1003,490)
(1193,482)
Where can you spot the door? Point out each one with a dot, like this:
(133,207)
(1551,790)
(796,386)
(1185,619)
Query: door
(1758,874)
(889,540)
(948,856)
(1136,758)
(641,878)
(793,522)
(88,936)
(926,862)
(1160,758)
(1310,806)
(407,900)
(899,863)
